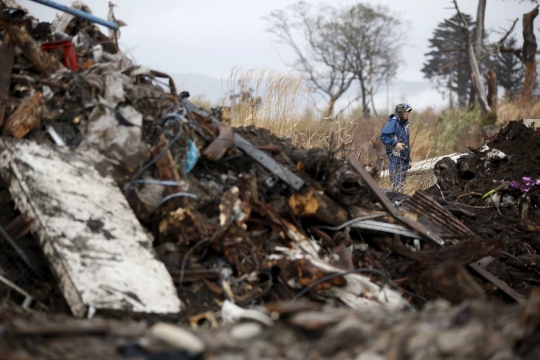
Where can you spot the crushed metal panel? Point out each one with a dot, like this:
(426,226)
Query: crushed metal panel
(95,245)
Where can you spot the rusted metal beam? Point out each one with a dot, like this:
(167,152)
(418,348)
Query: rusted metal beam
(387,204)
(268,162)
(497,282)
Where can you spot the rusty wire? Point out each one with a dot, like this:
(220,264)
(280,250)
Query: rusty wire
(184,260)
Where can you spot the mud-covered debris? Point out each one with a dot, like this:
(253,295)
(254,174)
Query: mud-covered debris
(497,187)
(244,222)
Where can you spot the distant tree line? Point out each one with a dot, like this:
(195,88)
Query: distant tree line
(343,47)
(461,58)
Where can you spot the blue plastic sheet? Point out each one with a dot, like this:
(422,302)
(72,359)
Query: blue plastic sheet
(192,156)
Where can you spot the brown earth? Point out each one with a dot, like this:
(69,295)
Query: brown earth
(511,216)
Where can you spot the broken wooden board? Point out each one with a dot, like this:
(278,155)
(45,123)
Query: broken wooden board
(96,247)
(7,55)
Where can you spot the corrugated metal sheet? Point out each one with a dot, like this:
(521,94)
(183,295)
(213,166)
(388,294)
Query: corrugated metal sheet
(436,218)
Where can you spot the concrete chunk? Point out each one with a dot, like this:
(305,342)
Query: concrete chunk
(95,245)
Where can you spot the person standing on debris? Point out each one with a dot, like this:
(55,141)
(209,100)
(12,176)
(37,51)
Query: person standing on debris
(395,137)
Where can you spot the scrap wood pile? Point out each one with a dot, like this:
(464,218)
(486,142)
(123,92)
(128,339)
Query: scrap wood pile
(120,196)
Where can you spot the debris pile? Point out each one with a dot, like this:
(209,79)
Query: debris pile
(495,192)
(232,214)
(120,197)
(470,331)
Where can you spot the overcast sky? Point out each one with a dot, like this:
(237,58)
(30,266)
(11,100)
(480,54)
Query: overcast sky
(210,37)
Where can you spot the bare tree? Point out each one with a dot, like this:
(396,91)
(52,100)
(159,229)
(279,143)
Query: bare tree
(477,82)
(479,36)
(478,43)
(492,89)
(336,45)
(370,41)
(325,68)
(529,54)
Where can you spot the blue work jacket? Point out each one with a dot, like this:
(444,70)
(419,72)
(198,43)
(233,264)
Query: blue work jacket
(393,132)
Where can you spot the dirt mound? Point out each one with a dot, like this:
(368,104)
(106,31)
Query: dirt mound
(495,191)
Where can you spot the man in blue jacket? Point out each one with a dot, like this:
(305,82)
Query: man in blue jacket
(395,137)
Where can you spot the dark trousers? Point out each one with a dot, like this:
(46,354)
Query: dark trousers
(397,167)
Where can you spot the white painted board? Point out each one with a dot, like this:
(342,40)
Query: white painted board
(427,164)
(96,247)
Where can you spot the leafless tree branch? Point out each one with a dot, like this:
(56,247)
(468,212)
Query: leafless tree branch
(338,43)
(473,61)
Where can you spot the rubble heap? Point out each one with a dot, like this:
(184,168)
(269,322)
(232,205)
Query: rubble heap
(120,197)
(233,214)
(495,192)
(469,331)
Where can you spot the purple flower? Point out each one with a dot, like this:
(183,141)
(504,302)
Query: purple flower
(527,184)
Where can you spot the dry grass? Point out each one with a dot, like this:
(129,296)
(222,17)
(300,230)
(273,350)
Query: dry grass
(264,99)
(272,100)
(512,110)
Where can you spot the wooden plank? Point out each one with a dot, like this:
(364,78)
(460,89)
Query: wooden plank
(99,252)
(370,182)
(26,117)
(7,55)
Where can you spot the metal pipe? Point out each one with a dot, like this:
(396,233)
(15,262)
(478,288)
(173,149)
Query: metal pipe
(79,13)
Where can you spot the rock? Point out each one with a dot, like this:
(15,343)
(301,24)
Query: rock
(347,334)
(462,341)
(177,338)
(231,313)
(313,320)
(370,355)
(246,331)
